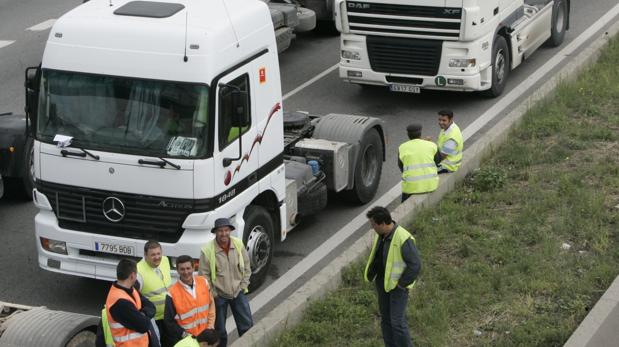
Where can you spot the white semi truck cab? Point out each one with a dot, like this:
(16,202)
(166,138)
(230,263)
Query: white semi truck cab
(152,119)
(460,45)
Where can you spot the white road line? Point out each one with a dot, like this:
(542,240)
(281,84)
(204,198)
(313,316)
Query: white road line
(310,82)
(42,26)
(4,43)
(269,293)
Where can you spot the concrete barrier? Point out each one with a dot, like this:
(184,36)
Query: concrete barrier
(290,311)
(599,328)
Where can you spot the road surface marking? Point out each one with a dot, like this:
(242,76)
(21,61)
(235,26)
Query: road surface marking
(310,82)
(275,288)
(42,26)
(4,43)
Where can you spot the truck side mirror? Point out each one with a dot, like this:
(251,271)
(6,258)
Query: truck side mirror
(32,79)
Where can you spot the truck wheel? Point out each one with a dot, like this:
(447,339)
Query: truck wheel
(27,180)
(500,67)
(368,168)
(258,239)
(85,338)
(559,23)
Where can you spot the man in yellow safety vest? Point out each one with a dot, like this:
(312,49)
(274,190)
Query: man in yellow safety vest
(153,282)
(450,143)
(416,162)
(393,265)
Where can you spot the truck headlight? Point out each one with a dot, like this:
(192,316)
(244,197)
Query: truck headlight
(350,55)
(462,62)
(54,246)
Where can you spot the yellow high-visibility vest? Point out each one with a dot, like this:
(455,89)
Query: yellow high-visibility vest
(395,264)
(154,287)
(209,252)
(453,160)
(188,341)
(419,172)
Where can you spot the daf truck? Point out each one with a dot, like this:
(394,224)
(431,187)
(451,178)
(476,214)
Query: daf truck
(151,119)
(458,45)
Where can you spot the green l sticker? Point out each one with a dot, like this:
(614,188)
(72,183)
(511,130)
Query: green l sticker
(440,81)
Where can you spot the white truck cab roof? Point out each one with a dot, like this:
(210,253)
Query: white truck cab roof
(150,39)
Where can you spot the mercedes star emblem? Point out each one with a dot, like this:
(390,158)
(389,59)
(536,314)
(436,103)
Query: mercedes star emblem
(113,209)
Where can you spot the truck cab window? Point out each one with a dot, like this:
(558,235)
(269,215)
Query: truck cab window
(234,101)
(127,115)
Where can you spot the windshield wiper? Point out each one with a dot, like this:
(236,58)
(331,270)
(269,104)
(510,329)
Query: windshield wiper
(66,152)
(161,163)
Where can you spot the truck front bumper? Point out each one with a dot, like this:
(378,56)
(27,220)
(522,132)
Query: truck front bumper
(82,258)
(438,82)
(356,65)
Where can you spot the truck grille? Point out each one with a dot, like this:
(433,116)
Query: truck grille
(439,23)
(404,56)
(145,218)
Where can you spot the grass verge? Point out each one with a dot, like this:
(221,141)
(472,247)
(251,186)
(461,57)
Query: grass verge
(521,250)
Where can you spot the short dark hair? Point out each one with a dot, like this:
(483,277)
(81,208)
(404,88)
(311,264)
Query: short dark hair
(125,268)
(448,113)
(379,215)
(183,259)
(210,336)
(151,244)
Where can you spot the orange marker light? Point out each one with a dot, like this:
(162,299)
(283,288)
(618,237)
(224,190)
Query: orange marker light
(263,75)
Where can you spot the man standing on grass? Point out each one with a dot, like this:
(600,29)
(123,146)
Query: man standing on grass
(393,265)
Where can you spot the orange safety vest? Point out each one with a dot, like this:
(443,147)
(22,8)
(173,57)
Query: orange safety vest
(122,336)
(192,314)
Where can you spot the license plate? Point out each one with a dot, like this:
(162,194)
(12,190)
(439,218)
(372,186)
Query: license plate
(114,248)
(405,88)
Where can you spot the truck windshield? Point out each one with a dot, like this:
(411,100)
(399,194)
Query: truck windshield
(124,115)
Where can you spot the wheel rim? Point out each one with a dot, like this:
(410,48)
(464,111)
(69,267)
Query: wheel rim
(258,248)
(560,21)
(369,164)
(499,66)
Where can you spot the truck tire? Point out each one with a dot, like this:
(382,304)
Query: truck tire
(500,67)
(42,327)
(258,240)
(559,23)
(367,169)
(27,179)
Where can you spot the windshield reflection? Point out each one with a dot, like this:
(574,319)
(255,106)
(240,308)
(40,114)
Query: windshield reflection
(126,115)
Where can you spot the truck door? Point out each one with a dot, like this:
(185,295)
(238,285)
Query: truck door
(236,165)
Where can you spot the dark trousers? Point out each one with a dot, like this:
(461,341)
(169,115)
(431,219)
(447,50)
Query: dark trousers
(240,311)
(165,342)
(393,322)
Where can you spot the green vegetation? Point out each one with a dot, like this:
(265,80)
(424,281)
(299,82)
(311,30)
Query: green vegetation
(521,250)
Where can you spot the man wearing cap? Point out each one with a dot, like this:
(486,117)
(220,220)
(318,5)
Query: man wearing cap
(450,143)
(416,162)
(225,263)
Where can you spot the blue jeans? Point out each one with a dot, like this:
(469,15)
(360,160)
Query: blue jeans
(393,322)
(240,311)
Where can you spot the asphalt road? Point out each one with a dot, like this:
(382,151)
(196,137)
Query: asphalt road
(22,280)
